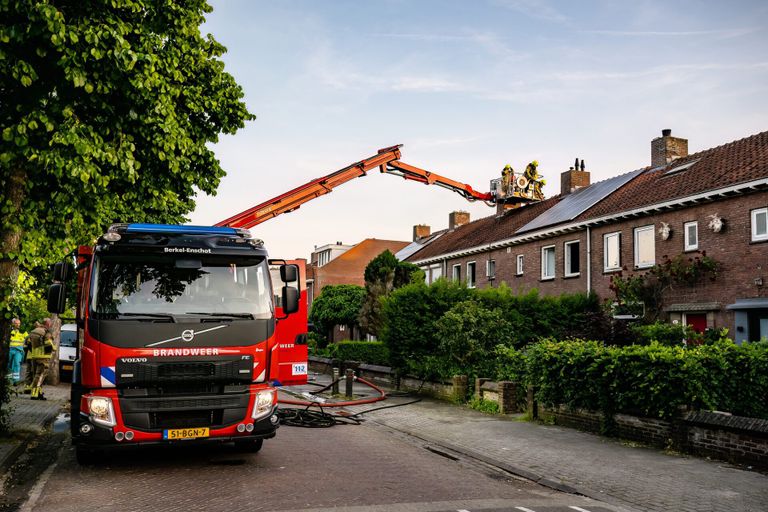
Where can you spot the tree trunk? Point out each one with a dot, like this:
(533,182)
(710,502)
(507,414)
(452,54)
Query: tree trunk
(10,242)
(53,375)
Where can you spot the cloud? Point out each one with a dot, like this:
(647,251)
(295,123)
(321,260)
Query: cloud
(327,68)
(424,84)
(537,9)
(489,41)
(720,34)
(448,141)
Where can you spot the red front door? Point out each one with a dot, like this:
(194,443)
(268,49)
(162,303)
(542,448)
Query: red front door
(698,321)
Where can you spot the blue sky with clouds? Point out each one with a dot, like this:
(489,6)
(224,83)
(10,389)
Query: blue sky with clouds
(468,86)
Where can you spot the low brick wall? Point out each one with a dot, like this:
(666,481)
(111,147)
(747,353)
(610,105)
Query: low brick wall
(382,375)
(703,433)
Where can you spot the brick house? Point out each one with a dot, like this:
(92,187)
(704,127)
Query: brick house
(714,201)
(338,264)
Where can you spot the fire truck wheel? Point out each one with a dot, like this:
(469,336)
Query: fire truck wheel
(249,445)
(87,456)
(76,392)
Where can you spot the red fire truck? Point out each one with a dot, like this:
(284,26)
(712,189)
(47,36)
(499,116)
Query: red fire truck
(185,332)
(181,327)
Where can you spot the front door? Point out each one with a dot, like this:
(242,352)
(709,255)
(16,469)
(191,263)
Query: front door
(697,321)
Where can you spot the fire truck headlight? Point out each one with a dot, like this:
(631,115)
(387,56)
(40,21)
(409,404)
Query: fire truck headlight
(264,401)
(102,411)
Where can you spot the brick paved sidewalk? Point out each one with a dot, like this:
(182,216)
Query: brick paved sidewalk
(601,468)
(605,469)
(30,418)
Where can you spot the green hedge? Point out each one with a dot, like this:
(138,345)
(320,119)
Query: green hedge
(653,380)
(371,352)
(444,329)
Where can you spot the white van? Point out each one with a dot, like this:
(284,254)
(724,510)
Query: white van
(67,350)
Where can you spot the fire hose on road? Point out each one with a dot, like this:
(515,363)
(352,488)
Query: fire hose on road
(296,417)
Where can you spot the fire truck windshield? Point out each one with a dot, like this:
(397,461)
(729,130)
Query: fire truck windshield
(127,288)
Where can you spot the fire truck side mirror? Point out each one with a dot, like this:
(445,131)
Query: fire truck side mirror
(57,298)
(289,273)
(290,300)
(61,271)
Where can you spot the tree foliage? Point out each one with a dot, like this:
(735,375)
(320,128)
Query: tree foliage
(28,302)
(107,114)
(383,274)
(337,305)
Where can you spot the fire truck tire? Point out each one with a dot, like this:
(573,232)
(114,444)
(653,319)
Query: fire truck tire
(76,392)
(249,445)
(87,456)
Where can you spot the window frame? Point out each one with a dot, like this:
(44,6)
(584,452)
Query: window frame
(606,237)
(519,265)
(456,272)
(636,232)
(756,237)
(490,269)
(473,282)
(435,269)
(687,245)
(567,259)
(545,277)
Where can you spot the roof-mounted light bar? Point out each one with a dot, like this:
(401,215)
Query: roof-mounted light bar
(189,230)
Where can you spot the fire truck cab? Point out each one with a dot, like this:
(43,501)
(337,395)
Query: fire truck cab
(181,330)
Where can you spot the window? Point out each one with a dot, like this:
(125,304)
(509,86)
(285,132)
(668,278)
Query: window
(645,247)
(519,264)
(471,274)
(612,251)
(691,235)
(572,263)
(760,224)
(548,262)
(457,272)
(437,272)
(490,269)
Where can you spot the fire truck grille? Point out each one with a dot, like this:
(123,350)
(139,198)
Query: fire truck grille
(132,373)
(157,413)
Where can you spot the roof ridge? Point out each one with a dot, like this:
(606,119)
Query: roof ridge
(720,147)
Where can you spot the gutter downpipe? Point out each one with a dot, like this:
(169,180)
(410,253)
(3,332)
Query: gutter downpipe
(589,260)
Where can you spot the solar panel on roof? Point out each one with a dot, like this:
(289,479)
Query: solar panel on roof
(576,203)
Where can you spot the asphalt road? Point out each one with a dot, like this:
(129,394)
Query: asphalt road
(345,468)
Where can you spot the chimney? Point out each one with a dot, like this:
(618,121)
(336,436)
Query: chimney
(457,219)
(421,231)
(667,148)
(574,178)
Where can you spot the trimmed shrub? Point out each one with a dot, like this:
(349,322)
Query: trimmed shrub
(653,380)
(671,335)
(410,314)
(468,334)
(371,352)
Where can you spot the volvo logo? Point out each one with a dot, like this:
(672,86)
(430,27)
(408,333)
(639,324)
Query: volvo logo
(187,335)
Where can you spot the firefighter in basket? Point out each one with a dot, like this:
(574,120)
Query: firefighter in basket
(507,180)
(534,180)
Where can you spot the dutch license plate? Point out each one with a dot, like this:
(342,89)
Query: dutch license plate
(185,433)
(66,367)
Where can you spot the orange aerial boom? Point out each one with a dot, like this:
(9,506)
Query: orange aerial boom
(387,160)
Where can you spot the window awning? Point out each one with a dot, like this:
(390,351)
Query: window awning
(759,303)
(687,307)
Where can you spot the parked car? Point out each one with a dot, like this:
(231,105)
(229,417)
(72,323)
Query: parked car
(67,350)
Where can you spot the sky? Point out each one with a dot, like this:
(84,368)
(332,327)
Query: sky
(467,87)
